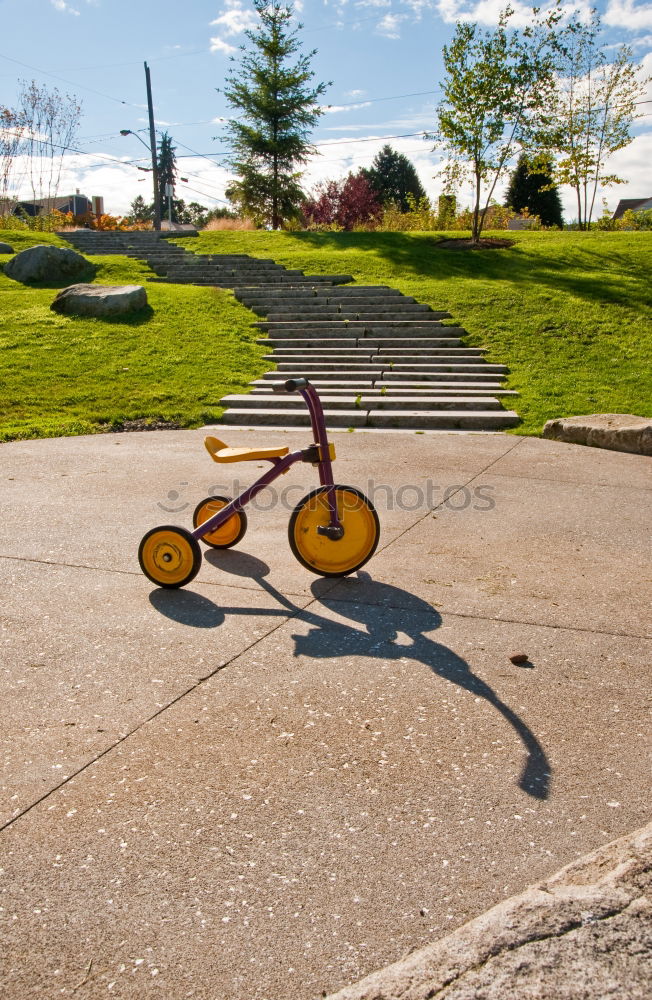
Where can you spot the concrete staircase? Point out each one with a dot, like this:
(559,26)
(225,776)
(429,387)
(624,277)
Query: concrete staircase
(378,358)
(172,263)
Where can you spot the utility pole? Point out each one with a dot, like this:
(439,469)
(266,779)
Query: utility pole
(152,144)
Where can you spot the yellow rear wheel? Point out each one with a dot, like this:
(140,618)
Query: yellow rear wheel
(326,556)
(227,534)
(169,556)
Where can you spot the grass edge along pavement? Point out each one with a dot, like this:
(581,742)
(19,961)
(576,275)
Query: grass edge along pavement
(569,313)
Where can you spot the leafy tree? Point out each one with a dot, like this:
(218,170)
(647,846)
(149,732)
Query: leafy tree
(140,211)
(197,214)
(497,83)
(393,177)
(277,107)
(531,187)
(221,213)
(167,172)
(592,113)
(345,204)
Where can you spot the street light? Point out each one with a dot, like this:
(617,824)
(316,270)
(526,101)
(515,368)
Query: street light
(154,169)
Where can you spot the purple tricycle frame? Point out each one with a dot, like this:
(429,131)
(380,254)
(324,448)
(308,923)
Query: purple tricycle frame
(319,454)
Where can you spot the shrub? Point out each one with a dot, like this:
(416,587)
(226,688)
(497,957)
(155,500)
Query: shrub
(343,205)
(213,225)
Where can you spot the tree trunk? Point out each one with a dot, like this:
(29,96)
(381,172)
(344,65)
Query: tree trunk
(475,237)
(275,218)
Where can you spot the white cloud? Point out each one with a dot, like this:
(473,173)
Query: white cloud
(355,93)
(64,7)
(232,21)
(488,11)
(235,19)
(628,14)
(418,7)
(390,25)
(217,45)
(335,108)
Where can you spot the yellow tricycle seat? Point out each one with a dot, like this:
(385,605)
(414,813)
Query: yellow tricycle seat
(220,452)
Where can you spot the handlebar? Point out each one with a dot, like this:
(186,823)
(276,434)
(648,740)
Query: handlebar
(292,385)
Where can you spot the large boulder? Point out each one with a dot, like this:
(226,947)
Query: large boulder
(585,932)
(616,431)
(100,300)
(6,248)
(46,263)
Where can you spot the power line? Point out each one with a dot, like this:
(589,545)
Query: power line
(377,100)
(73,149)
(204,194)
(79,86)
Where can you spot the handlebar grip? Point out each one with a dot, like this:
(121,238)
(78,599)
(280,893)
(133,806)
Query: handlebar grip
(291,385)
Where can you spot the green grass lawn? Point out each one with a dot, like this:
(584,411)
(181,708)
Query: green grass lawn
(569,313)
(74,375)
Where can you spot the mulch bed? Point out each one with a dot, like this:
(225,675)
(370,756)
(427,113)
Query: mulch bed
(486,243)
(142,424)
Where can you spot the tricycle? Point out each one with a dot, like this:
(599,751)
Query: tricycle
(333,531)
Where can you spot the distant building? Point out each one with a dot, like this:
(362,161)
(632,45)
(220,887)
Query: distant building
(522,222)
(76,204)
(633,205)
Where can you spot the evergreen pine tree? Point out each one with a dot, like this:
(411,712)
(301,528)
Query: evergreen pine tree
(167,172)
(277,107)
(393,178)
(525,191)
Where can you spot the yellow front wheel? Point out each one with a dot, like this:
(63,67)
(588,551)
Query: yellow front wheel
(227,534)
(169,556)
(326,556)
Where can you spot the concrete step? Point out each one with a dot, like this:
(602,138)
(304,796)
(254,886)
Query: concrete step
(420,343)
(469,420)
(264,385)
(364,337)
(376,376)
(417,353)
(293,418)
(444,376)
(370,375)
(365,401)
(316,304)
(308,366)
(352,309)
(348,361)
(481,420)
(397,390)
(378,293)
(426,321)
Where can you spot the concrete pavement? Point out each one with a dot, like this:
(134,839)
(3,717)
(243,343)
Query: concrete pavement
(269,785)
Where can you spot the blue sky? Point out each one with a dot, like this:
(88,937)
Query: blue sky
(383,57)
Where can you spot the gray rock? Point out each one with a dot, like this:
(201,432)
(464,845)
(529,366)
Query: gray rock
(6,248)
(46,263)
(100,300)
(616,431)
(584,934)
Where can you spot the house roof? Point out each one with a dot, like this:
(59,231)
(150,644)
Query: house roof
(633,204)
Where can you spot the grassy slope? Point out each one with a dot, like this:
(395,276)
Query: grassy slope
(71,375)
(570,313)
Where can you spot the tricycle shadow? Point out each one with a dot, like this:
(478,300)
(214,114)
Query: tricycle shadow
(385,613)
